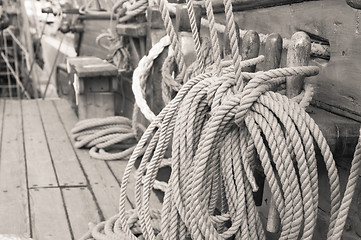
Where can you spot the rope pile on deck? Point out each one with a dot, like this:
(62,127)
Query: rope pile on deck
(223,124)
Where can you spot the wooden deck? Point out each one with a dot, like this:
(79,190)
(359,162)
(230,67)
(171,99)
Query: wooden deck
(49,189)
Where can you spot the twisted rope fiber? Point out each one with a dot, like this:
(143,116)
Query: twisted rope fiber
(183,213)
(213,128)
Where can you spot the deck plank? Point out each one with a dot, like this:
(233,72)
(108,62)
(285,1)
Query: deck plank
(102,182)
(39,165)
(14,212)
(81,209)
(65,161)
(48,216)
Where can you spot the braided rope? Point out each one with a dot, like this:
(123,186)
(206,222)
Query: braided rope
(141,74)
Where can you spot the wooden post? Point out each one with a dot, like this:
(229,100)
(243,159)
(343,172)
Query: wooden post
(298,55)
(227,47)
(95,82)
(250,48)
(273,52)
(183,27)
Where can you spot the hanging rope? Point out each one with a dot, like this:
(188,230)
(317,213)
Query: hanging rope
(223,125)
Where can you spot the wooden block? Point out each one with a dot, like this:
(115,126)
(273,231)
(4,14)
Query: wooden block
(13,189)
(132,29)
(81,209)
(97,84)
(48,214)
(101,179)
(65,161)
(95,105)
(40,169)
(92,67)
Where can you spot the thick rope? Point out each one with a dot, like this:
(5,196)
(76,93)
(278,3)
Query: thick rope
(219,134)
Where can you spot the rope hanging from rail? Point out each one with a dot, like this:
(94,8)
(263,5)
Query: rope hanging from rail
(224,124)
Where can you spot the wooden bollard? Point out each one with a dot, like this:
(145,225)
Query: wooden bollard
(250,48)
(273,52)
(183,27)
(298,55)
(354,3)
(227,45)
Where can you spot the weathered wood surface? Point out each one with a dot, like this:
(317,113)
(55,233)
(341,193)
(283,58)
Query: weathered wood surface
(93,27)
(82,189)
(338,84)
(67,167)
(96,105)
(48,215)
(92,66)
(81,209)
(100,176)
(39,163)
(14,211)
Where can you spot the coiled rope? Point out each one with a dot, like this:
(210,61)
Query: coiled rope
(223,125)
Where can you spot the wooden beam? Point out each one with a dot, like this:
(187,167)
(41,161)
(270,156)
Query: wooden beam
(65,161)
(101,179)
(14,209)
(39,165)
(48,216)
(243,5)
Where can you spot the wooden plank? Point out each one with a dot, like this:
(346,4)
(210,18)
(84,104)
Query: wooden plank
(39,165)
(102,182)
(92,66)
(338,85)
(48,216)
(13,190)
(81,209)
(65,161)
(96,105)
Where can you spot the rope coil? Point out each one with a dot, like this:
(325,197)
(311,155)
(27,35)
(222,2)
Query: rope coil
(222,125)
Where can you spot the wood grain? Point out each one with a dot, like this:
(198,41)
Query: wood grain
(96,105)
(298,55)
(250,48)
(65,161)
(48,216)
(39,165)
(338,84)
(13,189)
(81,209)
(102,181)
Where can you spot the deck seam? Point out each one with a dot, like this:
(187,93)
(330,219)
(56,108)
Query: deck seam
(26,170)
(119,183)
(56,174)
(100,212)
